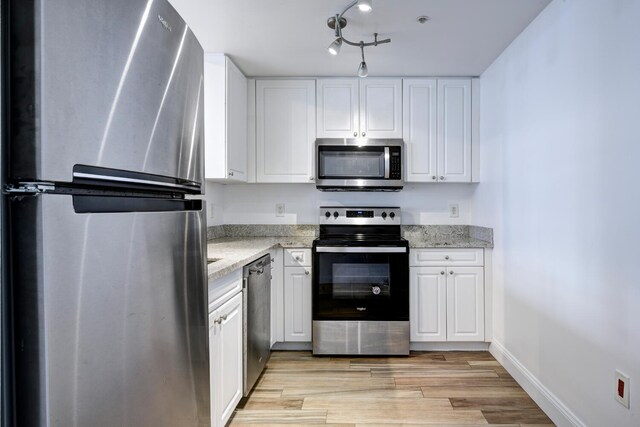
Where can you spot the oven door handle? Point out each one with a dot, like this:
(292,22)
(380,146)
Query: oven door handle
(361,250)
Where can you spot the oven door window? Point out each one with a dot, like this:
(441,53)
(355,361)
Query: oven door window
(361,287)
(351,163)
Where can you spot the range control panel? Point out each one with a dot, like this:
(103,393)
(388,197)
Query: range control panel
(340,215)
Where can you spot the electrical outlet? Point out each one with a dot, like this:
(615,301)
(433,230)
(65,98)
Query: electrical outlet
(279,209)
(454,210)
(622,389)
(210,211)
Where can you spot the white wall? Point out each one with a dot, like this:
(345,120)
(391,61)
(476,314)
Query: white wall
(255,203)
(214,195)
(560,130)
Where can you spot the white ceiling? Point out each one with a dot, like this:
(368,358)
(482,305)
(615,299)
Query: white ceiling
(290,37)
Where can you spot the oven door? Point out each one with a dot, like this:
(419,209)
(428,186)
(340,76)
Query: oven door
(360,283)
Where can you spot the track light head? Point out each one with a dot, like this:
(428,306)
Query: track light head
(334,47)
(363,71)
(364,5)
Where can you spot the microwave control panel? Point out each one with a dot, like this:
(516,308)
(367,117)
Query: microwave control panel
(395,163)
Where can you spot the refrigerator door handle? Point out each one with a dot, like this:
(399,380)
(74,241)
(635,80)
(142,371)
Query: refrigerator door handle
(126,180)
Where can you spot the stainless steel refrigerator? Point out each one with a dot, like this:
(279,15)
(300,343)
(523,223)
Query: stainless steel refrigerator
(104,235)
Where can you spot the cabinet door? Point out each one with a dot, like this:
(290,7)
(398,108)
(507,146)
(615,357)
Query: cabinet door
(236,123)
(465,304)
(225,120)
(337,108)
(297,304)
(454,130)
(428,303)
(419,129)
(225,355)
(381,108)
(285,130)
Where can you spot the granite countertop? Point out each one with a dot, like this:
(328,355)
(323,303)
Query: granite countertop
(235,246)
(236,252)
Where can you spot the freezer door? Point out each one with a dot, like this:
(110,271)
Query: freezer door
(110,313)
(114,84)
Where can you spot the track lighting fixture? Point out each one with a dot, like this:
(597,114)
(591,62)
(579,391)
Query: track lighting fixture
(338,22)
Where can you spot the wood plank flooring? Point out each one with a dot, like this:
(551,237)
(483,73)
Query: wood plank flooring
(426,388)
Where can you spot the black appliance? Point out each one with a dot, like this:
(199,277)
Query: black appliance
(360,282)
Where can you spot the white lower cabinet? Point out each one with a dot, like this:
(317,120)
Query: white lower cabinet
(428,307)
(446,303)
(297,304)
(225,359)
(297,294)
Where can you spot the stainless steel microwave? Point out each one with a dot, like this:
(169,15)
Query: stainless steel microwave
(353,164)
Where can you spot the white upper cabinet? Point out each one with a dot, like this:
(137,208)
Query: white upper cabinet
(225,110)
(420,129)
(285,130)
(350,108)
(338,108)
(381,108)
(454,130)
(437,123)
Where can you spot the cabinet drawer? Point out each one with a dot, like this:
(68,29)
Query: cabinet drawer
(297,257)
(220,290)
(445,257)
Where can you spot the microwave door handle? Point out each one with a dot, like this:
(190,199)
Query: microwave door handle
(361,250)
(386,162)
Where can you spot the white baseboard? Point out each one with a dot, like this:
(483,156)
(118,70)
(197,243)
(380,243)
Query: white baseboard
(559,413)
(449,346)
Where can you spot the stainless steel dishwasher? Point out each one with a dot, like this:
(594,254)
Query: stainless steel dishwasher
(256,295)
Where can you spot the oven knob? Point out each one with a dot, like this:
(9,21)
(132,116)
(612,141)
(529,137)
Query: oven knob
(335,214)
(327,214)
(384,215)
(375,290)
(392,215)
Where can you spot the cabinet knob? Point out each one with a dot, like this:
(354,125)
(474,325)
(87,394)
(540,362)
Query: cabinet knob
(355,134)
(364,133)
(298,258)
(218,320)
(446,257)
(442,272)
(441,178)
(451,272)
(230,173)
(273,260)
(223,318)
(306,272)
(310,178)
(434,177)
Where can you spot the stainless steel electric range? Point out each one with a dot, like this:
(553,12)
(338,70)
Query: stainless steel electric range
(360,282)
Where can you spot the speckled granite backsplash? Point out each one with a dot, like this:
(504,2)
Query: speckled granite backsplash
(261,230)
(447,234)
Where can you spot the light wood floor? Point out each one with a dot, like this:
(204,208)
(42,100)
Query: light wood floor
(434,388)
